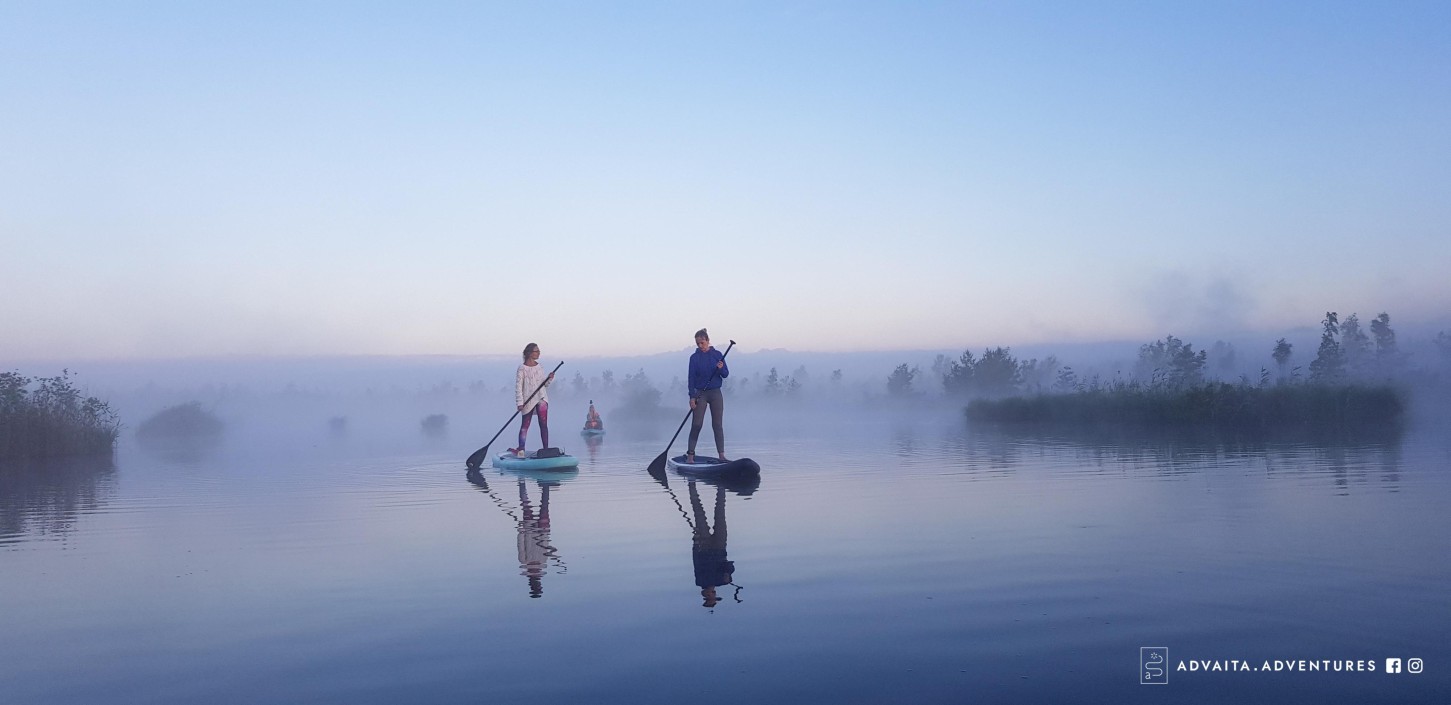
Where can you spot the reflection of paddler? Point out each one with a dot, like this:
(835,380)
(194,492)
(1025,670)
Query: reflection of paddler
(592,443)
(708,550)
(535,551)
(534,548)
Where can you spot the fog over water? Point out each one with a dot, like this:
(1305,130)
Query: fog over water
(398,391)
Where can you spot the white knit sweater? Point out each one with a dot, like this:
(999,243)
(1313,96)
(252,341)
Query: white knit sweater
(526,380)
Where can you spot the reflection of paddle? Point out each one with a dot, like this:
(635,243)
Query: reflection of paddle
(476,478)
(477,458)
(657,466)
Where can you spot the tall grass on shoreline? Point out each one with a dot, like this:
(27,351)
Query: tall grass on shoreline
(1218,405)
(47,417)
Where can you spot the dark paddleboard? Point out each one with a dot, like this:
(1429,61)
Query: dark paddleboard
(715,467)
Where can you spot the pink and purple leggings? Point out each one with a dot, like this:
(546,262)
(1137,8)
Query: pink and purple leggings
(542,408)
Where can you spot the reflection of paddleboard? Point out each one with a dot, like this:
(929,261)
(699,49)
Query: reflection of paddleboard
(592,432)
(509,461)
(743,485)
(552,478)
(715,467)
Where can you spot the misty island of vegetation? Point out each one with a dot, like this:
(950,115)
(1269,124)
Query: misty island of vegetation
(1353,383)
(47,417)
(183,421)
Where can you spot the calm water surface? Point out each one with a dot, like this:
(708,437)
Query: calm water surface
(878,560)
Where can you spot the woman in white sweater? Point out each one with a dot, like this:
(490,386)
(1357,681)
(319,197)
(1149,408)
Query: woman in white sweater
(529,377)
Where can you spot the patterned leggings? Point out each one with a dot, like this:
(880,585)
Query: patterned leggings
(542,408)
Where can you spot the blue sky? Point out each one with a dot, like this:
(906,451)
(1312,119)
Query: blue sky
(199,179)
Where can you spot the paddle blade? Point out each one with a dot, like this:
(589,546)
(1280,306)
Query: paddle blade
(477,458)
(657,467)
(477,478)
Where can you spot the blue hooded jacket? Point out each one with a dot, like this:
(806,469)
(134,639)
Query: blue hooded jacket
(703,375)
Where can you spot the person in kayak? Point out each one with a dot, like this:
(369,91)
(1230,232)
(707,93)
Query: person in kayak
(527,378)
(707,369)
(592,419)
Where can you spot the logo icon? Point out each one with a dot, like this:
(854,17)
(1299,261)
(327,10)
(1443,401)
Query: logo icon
(1153,665)
(1415,665)
(1393,665)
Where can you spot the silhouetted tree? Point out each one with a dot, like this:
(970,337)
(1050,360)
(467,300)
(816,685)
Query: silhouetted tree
(581,387)
(773,383)
(1038,374)
(1388,357)
(640,394)
(1329,362)
(1067,381)
(899,384)
(997,373)
(940,367)
(1282,353)
(1355,347)
(958,381)
(1171,362)
(836,377)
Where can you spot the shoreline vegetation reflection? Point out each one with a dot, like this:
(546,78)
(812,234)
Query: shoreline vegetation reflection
(47,498)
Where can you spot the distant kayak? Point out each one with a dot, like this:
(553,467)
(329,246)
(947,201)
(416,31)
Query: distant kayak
(592,432)
(509,461)
(707,466)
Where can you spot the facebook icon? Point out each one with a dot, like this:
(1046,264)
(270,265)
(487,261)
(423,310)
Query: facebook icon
(1393,665)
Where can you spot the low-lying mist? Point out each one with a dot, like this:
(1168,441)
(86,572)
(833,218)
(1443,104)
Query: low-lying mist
(453,404)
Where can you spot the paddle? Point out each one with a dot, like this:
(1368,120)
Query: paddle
(657,466)
(477,458)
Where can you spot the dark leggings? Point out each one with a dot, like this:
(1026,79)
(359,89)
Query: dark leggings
(713,399)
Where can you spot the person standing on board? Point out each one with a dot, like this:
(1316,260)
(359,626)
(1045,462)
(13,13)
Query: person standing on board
(529,377)
(707,369)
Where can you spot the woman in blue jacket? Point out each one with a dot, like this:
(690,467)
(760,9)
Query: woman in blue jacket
(707,369)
